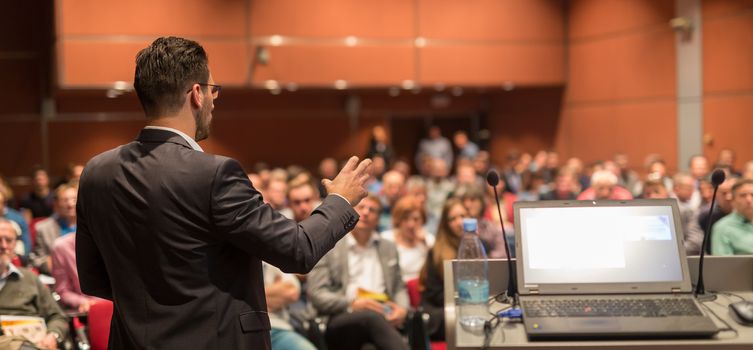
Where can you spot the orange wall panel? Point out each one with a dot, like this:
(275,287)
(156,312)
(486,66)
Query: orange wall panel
(493,64)
(637,129)
(629,66)
(322,65)
(596,17)
(728,53)
(333,18)
(492,19)
(715,8)
(727,119)
(100,63)
(151,18)
(96,63)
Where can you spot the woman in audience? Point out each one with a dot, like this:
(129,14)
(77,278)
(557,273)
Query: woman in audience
(431,279)
(489,231)
(412,242)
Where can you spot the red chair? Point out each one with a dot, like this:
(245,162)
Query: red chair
(415,300)
(33,231)
(413,293)
(100,315)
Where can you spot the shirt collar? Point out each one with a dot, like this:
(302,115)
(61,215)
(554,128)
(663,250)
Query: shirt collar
(188,139)
(12,269)
(351,241)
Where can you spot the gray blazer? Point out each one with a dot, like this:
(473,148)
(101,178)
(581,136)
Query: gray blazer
(327,282)
(48,231)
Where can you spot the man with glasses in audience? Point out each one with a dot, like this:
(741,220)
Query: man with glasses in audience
(175,237)
(733,234)
(22,294)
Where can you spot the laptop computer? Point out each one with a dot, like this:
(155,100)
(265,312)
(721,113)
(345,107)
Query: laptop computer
(605,269)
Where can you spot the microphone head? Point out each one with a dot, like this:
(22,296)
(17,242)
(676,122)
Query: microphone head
(492,178)
(717,177)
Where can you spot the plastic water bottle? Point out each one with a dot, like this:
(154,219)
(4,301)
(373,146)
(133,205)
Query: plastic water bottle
(472,279)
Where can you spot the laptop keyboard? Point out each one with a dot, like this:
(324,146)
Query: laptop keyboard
(610,307)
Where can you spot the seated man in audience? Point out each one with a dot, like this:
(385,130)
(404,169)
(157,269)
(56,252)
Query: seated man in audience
(66,275)
(722,208)
(393,188)
(24,245)
(343,286)
(280,290)
(604,186)
(22,294)
(564,187)
(61,223)
(303,198)
(688,198)
(733,234)
(275,194)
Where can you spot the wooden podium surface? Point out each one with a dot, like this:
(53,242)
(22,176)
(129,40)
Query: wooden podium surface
(732,274)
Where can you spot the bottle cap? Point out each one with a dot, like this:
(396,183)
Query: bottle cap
(470,225)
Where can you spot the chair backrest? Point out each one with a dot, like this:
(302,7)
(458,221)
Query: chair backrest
(100,315)
(33,231)
(413,293)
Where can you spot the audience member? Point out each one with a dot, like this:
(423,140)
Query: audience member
(564,187)
(275,194)
(38,202)
(327,170)
(551,166)
(604,186)
(733,234)
(22,294)
(344,284)
(466,149)
(654,189)
(688,198)
(61,223)
(408,234)
(726,160)
(435,146)
(378,167)
(431,279)
(23,246)
(748,170)
(66,275)
(393,188)
(379,145)
(303,198)
(488,231)
(698,167)
(722,207)
(281,290)
(626,177)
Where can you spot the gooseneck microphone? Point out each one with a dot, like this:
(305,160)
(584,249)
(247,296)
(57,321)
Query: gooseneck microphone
(492,178)
(717,177)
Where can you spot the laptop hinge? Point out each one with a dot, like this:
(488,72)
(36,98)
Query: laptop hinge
(533,291)
(676,290)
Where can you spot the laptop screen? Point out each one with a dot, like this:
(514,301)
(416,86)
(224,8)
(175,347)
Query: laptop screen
(601,244)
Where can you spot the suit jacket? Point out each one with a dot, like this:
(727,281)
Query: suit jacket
(48,231)
(328,281)
(175,238)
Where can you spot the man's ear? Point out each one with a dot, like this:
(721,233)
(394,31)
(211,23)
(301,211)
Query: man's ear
(195,96)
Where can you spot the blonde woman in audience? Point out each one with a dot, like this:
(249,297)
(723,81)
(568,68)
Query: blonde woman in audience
(431,278)
(408,217)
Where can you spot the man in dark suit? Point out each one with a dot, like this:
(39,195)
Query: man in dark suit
(175,237)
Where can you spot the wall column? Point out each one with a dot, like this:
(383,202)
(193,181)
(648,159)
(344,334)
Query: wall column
(689,83)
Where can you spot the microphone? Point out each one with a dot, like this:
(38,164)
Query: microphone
(492,178)
(717,177)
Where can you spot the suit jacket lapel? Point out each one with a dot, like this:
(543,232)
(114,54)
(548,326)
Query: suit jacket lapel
(384,260)
(342,261)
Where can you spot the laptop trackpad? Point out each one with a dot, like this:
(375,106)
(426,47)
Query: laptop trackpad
(596,324)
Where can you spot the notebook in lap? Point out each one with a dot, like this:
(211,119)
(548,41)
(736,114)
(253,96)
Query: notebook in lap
(605,269)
